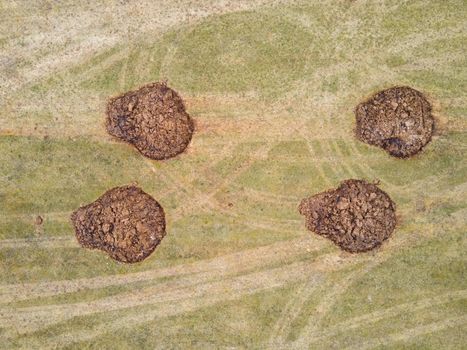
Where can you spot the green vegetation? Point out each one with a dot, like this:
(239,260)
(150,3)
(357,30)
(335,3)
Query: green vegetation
(272,90)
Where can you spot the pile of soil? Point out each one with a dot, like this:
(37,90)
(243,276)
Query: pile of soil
(398,119)
(357,216)
(153,119)
(125,222)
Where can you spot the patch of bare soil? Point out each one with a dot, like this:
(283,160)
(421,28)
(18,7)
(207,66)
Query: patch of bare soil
(153,119)
(39,220)
(125,222)
(357,216)
(398,120)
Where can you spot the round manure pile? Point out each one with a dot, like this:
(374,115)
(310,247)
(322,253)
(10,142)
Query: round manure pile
(398,119)
(125,222)
(357,216)
(152,119)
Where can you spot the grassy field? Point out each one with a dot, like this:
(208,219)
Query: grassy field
(272,86)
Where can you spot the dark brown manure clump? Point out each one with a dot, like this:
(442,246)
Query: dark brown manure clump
(153,119)
(357,216)
(398,119)
(125,222)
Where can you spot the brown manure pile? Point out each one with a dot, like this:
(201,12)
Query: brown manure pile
(125,222)
(398,119)
(153,119)
(357,216)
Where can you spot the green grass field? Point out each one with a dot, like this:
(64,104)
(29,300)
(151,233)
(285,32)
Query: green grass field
(272,86)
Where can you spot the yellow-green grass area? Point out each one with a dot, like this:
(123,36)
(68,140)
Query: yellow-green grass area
(272,86)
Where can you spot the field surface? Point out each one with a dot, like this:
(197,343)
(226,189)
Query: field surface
(272,86)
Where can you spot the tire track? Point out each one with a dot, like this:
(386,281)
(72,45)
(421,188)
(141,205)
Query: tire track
(288,226)
(53,215)
(30,319)
(345,162)
(319,167)
(373,317)
(289,316)
(231,263)
(202,199)
(417,39)
(331,297)
(121,25)
(262,196)
(406,335)
(221,292)
(432,63)
(39,242)
(281,328)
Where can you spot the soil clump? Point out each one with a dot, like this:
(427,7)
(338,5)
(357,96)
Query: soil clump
(125,222)
(398,119)
(357,216)
(152,119)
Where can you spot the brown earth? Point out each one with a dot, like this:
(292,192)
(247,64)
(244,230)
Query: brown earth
(398,120)
(153,119)
(125,222)
(39,220)
(357,216)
